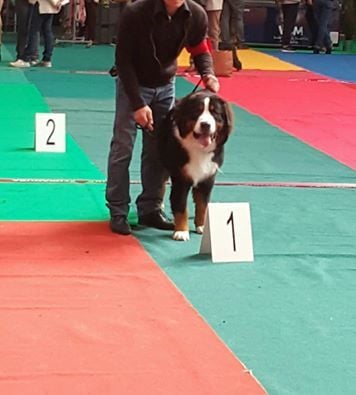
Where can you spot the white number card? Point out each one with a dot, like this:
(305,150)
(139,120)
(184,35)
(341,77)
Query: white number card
(50,132)
(227,233)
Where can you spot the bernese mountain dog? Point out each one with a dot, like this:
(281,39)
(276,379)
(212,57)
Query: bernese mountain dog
(191,146)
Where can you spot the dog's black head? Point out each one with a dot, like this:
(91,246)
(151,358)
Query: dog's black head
(204,118)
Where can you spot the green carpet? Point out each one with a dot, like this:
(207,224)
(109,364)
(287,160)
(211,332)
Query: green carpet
(20,160)
(290,315)
(52,202)
(18,157)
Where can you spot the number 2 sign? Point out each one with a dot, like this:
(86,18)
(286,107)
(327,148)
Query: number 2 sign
(50,132)
(227,233)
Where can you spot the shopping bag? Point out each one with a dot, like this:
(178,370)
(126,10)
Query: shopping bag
(223,64)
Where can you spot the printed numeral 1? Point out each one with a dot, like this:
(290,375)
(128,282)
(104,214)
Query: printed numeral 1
(231,220)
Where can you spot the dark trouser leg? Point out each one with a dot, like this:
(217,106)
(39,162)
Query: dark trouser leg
(225,27)
(153,173)
(46,21)
(312,23)
(35,26)
(23,12)
(290,12)
(121,148)
(323,14)
(237,21)
(90,22)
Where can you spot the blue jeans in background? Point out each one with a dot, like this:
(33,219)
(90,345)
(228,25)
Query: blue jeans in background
(40,23)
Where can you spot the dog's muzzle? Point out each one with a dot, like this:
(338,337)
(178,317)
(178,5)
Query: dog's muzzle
(204,135)
(205,139)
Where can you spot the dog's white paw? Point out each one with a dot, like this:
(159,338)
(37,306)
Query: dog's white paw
(200,229)
(181,235)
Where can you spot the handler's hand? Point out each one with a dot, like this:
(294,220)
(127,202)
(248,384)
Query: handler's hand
(143,116)
(211,83)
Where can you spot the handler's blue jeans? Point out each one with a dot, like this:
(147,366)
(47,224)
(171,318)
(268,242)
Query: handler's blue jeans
(153,174)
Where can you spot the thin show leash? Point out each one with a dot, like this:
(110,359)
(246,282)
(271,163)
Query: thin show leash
(197,85)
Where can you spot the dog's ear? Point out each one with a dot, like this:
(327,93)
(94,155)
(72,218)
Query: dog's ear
(228,118)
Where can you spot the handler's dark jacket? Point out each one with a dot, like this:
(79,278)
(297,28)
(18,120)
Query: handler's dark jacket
(149,42)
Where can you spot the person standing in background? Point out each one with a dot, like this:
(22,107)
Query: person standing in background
(232,23)
(323,11)
(213,9)
(41,21)
(289,10)
(311,22)
(91,10)
(23,11)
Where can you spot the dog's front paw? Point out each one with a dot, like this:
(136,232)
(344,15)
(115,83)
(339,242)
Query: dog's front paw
(200,229)
(181,235)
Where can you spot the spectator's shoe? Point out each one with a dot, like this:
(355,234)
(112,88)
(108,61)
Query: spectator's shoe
(20,63)
(34,62)
(287,48)
(156,219)
(119,224)
(328,51)
(45,63)
(235,60)
(237,65)
(316,51)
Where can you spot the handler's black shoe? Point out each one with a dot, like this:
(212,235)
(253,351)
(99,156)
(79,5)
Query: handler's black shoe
(119,224)
(156,219)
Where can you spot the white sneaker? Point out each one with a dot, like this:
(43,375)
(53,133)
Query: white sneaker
(45,63)
(34,62)
(287,48)
(20,63)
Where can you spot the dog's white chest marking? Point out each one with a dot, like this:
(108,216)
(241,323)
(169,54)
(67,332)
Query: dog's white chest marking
(200,166)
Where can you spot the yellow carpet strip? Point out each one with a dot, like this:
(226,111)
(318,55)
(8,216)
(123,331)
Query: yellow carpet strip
(251,60)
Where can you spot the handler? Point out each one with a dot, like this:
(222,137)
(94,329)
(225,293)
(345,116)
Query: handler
(150,37)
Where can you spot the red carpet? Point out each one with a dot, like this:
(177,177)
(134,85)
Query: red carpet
(84,311)
(319,111)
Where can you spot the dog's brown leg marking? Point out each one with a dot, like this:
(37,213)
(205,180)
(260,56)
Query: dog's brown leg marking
(181,221)
(200,208)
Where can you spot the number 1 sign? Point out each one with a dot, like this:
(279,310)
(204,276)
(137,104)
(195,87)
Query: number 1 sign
(227,233)
(50,132)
